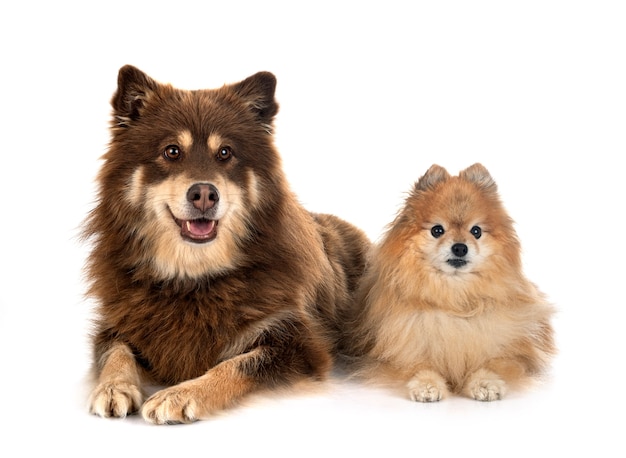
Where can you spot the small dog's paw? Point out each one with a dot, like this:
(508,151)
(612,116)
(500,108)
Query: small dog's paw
(427,386)
(485,386)
(115,399)
(170,406)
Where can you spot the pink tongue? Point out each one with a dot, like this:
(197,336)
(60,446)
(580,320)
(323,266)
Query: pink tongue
(199,227)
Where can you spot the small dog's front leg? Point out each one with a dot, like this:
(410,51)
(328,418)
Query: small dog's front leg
(427,386)
(485,385)
(118,391)
(492,381)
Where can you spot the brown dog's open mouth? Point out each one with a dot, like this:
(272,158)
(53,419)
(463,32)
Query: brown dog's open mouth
(197,230)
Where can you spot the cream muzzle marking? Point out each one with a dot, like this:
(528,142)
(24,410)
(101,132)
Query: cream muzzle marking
(200,225)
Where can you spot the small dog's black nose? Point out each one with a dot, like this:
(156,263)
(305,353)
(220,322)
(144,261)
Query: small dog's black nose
(203,196)
(459,249)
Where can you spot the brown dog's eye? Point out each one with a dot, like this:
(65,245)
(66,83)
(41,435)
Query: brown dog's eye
(476,232)
(172,152)
(437,231)
(224,153)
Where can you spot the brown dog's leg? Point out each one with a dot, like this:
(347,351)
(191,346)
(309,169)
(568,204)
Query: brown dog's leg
(118,391)
(221,387)
(225,384)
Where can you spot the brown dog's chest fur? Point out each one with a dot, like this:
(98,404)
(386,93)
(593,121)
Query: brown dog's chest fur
(178,330)
(174,338)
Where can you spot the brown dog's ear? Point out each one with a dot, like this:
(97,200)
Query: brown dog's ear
(434,175)
(133,89)
(479,175)
(258,92)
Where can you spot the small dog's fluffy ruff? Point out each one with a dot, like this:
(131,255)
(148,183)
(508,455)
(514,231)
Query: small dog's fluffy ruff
(443,306)
(211,279)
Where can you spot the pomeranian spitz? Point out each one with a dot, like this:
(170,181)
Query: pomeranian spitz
(443,306)
(211,280)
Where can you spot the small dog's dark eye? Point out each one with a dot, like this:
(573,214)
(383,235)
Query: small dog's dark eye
(224,153)
(172,152)
(476,232)
(437,231)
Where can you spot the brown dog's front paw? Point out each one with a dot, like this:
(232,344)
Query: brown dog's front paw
(170,406)
(115,399)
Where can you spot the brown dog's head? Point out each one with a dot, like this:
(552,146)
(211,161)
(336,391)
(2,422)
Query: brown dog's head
(186,171)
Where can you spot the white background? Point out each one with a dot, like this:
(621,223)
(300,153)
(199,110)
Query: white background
(371,94)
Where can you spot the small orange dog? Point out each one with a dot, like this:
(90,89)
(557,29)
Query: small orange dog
(444,306)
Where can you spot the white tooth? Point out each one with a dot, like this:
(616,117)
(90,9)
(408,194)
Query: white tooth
(188,225)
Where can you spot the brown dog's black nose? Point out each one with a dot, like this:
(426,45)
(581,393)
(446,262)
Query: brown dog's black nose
(203,196)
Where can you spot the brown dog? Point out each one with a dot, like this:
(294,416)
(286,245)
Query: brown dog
(211,278)
(444,306)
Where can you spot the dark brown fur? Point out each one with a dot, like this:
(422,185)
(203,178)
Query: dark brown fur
(263,313)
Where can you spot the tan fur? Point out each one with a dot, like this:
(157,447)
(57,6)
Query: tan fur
(195,399)
(118,391)
(214,142)
(211,279)
(185,139)
(171,258)
(434,328)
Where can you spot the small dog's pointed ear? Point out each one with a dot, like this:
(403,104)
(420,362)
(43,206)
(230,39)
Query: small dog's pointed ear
(479,175)
(434,175)
(258,92)
(134,88)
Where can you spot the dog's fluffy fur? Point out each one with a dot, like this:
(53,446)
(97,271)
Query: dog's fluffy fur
(211,279)
(443,306)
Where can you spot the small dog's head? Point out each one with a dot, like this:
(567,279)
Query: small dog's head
(462,227)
